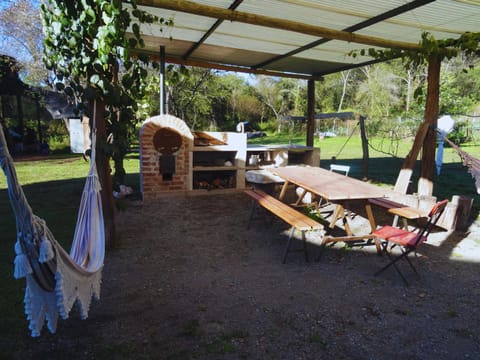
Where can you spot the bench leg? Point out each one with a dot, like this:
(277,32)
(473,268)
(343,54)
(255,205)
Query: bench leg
(304,240)
(289,244)
(252,212)
(322,249)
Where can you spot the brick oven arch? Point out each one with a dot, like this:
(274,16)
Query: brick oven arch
(167,121)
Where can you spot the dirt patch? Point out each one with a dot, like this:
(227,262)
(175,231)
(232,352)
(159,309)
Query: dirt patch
(188,280)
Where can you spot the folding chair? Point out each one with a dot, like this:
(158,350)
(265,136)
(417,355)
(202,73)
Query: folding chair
(407,241)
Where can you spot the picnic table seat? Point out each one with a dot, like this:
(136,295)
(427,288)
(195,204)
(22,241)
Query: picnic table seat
(296,219)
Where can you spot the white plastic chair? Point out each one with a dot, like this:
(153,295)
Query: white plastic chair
(340,168)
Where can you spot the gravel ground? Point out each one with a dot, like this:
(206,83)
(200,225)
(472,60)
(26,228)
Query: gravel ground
(188,280)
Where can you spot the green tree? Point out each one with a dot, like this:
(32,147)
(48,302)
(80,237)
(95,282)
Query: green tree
(280,96)
(459,90)
(378,93)
(189,96)
(88,49)
(233,101)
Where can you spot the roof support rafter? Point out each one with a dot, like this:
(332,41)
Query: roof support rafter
(223,67)
(261,20)
(376,19)
(210,31)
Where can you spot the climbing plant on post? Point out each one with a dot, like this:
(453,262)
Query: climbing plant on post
(432,53)
(88,48)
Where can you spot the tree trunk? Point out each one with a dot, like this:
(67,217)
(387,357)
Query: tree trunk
(427,170)
(104,174)
(345,75)
(366,155)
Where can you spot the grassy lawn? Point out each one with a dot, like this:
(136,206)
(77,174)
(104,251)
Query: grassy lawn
(54,185)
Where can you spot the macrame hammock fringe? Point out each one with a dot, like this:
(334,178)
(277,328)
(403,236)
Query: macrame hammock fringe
(56,280)
(472,164)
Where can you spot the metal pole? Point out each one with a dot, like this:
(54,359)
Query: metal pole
(162,80)
(310,111)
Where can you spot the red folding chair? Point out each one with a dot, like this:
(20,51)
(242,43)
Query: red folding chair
(407,241)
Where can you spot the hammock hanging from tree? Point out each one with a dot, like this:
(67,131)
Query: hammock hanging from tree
(56,280)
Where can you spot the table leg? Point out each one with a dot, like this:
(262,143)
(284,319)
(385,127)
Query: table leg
(346,224)
(339,213)
(373,226)
(336,215)
(371,219)
(283,191)
(300,198)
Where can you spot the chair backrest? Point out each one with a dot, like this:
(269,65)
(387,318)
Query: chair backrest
(340,168)
(433,217)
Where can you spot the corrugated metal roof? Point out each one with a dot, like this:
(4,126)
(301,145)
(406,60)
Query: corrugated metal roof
(266,48)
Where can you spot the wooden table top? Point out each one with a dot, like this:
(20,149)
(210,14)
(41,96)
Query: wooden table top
(328,184)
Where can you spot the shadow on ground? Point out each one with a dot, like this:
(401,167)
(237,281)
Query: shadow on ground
(187,280)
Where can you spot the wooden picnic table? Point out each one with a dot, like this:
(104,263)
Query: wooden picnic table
(336,188)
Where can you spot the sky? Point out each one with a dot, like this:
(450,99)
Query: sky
(5,47)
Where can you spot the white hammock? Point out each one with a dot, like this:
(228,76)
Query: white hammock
(472,163)
(56,280)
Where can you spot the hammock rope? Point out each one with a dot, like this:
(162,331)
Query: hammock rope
(56,280)
(472,164)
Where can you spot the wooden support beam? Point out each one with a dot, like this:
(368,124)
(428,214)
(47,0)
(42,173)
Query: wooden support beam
(426,138)
(366,23)
(267,21)
(405,175)
(104,172)
(427,168)
(210,31)
(208,65)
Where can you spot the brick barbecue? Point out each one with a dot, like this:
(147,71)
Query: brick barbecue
(166,145)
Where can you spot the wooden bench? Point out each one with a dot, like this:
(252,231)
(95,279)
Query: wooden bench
(398,210)
(288,214)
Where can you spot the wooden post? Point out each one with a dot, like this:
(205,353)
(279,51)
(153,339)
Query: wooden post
(463,210)
(310,111)
(366,156)
(405,175)
(104,172)
(427,169)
